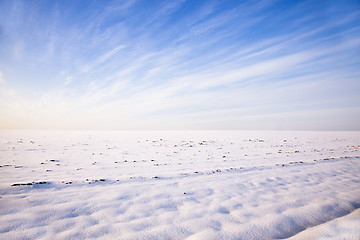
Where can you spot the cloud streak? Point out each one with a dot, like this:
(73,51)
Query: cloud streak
(180,65)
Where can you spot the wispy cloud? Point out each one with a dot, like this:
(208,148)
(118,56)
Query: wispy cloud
(179,64)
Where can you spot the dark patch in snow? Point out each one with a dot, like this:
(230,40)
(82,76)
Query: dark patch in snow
(29,184)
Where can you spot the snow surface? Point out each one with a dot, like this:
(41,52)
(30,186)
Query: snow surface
(344,228)
(179,185)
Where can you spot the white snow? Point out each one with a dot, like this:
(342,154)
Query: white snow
(179,185)
(344,228)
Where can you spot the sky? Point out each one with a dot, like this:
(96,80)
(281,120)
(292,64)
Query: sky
(160,65)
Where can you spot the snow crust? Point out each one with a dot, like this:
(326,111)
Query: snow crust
(344,228)
(179,185)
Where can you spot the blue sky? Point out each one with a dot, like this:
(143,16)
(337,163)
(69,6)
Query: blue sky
(141,64)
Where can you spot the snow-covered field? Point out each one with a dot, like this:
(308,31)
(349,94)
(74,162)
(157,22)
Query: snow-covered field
(179,185)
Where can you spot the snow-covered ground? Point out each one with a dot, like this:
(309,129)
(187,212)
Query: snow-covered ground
(179,185)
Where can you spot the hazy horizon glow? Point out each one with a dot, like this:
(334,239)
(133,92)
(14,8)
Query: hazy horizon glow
(118,65)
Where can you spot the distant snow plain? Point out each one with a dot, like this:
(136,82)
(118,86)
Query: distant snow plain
(179,185)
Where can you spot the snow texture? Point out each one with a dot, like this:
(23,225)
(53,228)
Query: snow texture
(179,185)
